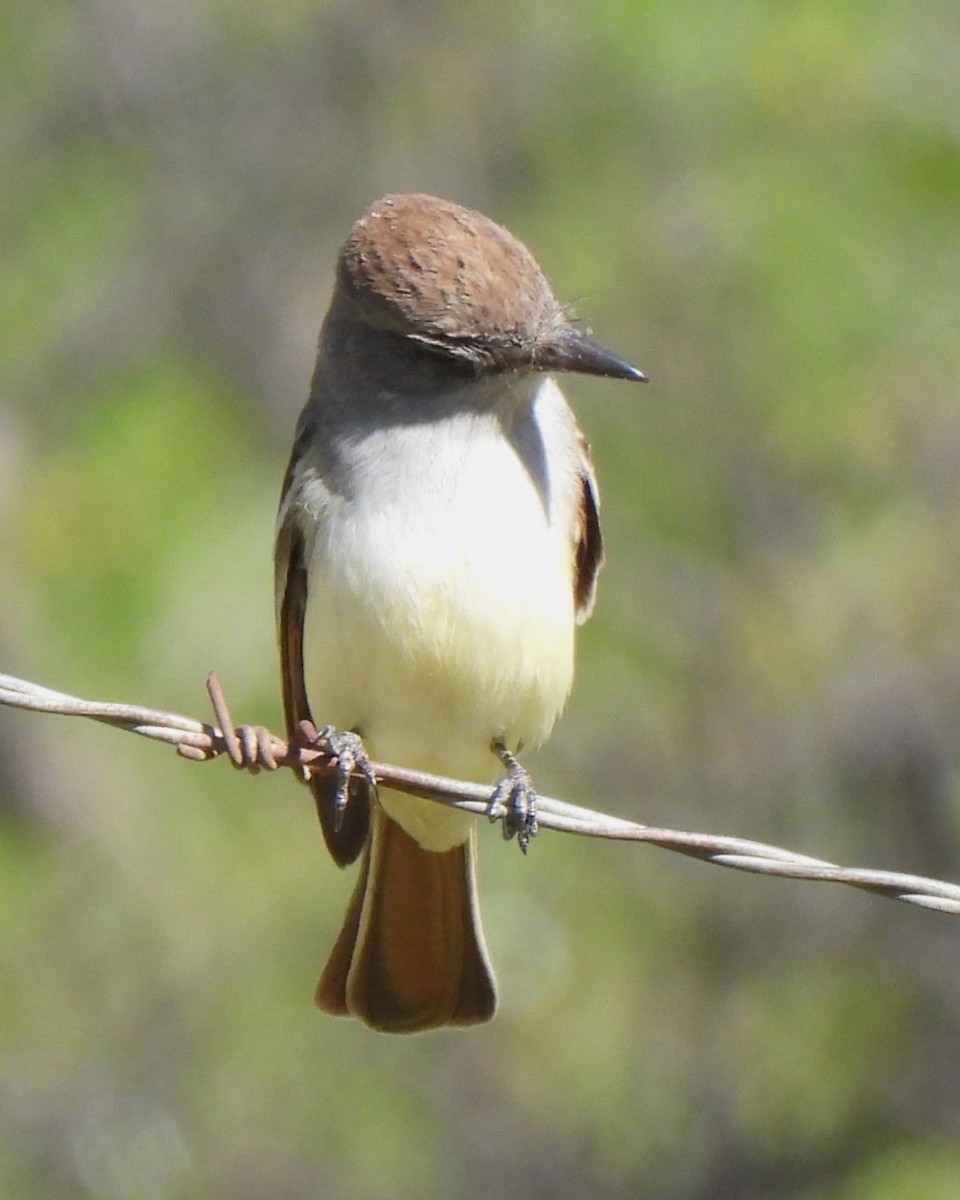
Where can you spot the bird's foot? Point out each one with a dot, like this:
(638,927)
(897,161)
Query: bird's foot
(346,746)
(514,801)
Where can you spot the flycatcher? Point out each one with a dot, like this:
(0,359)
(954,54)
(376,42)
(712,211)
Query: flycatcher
(437,543)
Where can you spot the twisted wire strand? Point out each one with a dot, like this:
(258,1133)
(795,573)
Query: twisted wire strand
(254,747)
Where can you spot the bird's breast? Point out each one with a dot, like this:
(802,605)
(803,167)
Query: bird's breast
(441,592)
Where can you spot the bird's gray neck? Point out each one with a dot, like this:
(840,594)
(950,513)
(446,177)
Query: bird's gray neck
(371,379)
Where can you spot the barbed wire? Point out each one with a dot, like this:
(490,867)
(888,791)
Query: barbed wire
(252,748)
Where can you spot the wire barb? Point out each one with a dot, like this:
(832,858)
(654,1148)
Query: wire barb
(252,747)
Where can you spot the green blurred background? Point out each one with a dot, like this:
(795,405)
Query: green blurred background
(760,205)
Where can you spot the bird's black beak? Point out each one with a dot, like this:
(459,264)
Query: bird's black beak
(571,350)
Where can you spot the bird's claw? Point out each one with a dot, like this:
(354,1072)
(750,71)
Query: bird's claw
(347,748)
(514,801)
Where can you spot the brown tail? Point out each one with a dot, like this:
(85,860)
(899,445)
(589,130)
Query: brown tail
(410,955)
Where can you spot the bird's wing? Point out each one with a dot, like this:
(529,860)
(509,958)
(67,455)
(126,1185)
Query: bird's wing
(589,539)
(345,833)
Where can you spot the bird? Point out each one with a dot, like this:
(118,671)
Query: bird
(438,541)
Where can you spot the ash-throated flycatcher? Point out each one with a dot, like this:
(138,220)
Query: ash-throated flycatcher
(437,543)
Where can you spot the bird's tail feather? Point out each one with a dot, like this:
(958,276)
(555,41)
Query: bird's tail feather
(410,955)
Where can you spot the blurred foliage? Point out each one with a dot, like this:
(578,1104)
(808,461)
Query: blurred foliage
(758,204)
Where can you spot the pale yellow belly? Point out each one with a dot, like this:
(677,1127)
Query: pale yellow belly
(433,647)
